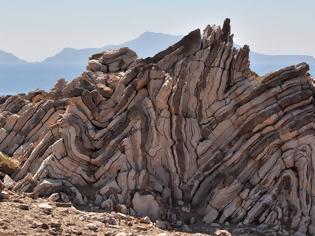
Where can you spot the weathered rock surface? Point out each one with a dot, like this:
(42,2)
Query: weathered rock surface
(1,186)
(189,132)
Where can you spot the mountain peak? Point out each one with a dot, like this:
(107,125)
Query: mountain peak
(7,58)
(149,35)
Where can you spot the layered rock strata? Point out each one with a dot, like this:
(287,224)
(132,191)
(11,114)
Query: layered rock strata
(190,132)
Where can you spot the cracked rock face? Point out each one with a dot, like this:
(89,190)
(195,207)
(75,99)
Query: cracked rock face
(189,132)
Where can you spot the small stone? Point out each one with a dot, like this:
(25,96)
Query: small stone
(76,232)
(70,223)
(55,224)
(98,199)
(123,216)
(24,207)
(214,225)
(222,233)
(140,227)
(132,212)
(95,65)
(110,220)
(109,234)
(161,224)
(113,226)
(145,220)
(46,208)
(63,204)
(123,234)
(59,197)
(108,205)
(104,90)
(53,232)
(8,182)
(186,209)
(94,226)
(186,228)
(122,208)
(17,200)
(54,197)
(4,195)
(37,224)
(129,223)
(180,203)
(179,223)
(83,218)
(44,226)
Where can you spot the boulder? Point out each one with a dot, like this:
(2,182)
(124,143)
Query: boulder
(146,205)
(8,182)
(112,61)
(211,215)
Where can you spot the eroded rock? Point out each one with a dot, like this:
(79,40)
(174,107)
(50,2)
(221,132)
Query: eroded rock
(146,205)
(191,125)
(8,182)
(112,61)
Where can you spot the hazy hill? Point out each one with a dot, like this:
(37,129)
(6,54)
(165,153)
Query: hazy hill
(147,44)
(9,59)
(263,64)
(18,76)
(69,63)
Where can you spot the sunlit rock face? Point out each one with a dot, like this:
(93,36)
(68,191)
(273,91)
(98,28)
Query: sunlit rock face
(189,132)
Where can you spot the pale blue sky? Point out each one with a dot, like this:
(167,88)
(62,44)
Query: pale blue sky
(35,29)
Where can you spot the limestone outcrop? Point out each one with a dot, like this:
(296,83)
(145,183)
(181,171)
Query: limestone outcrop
(191,132)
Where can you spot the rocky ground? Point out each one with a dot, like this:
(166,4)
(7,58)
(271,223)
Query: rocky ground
(22,215)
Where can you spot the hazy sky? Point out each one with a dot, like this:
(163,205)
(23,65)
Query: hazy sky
(35,29)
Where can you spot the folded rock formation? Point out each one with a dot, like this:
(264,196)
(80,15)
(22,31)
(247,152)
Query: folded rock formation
(189,132)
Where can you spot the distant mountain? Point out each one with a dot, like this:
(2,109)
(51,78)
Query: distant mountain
(147,44)
(263,64)
(18,76)
(9,59)
(69,63)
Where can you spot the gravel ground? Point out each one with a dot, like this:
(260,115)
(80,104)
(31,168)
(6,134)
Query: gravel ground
(21,215)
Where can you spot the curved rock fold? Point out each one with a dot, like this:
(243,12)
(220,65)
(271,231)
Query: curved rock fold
(191,131)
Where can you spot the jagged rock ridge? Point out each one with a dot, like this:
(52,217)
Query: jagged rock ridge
(189,132)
